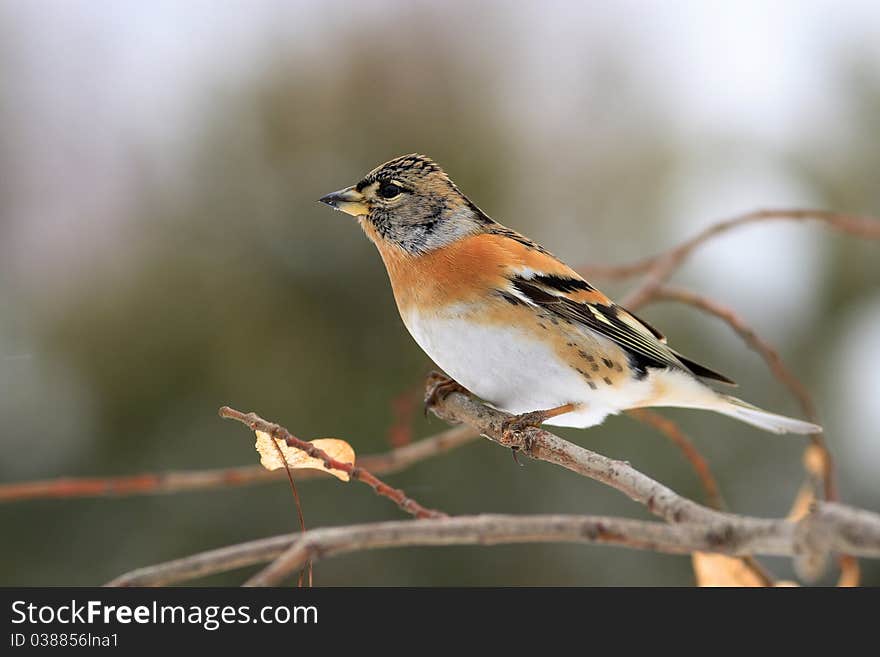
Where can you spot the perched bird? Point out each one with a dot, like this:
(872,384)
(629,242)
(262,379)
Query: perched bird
(513,324)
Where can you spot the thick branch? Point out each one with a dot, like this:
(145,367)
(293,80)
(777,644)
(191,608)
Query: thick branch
(701,467)
(752,535)
(544,446)
(831,526)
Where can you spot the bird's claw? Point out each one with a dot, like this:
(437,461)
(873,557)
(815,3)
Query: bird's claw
(513,427)
(438,387)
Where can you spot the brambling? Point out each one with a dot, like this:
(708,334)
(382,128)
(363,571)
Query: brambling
(513,324)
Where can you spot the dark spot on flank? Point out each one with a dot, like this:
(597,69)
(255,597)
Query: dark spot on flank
(592,385)
(595,367)
(607,362)
(606,380)
(555,321)
(543,326)
(569,344)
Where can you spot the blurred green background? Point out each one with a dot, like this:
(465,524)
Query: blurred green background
(162,253)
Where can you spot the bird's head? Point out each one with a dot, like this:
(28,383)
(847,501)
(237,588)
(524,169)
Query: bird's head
(410,202)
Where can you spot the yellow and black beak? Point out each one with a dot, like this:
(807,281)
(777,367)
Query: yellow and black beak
(349,200)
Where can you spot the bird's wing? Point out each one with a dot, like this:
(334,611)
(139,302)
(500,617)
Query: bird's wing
(543,281)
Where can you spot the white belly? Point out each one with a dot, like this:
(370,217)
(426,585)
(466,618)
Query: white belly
(513,371)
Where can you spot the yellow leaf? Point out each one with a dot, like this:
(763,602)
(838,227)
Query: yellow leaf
(721,570)
(850,573)
(270,457)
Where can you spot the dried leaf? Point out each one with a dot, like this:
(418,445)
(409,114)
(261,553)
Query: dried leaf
(298,459)
(721,570)
(850,573)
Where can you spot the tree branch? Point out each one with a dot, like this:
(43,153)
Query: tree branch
(676,436)
(829,527)
(155,483)
(818,460)
(660,500)
(544,446)
(822,477)
(749,536)
(701,467)
(663,264)
(277,432)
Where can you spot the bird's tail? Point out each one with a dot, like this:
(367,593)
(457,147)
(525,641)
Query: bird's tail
(758,417)
(677,388)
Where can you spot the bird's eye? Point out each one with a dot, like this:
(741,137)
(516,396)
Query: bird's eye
(389,190)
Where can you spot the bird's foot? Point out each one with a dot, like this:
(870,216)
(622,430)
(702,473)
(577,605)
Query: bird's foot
(438,387)
(514,427)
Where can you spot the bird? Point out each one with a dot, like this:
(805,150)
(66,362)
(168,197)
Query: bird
(514,325)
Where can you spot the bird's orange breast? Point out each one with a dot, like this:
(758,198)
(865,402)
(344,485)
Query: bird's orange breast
(464,271)
(461,272)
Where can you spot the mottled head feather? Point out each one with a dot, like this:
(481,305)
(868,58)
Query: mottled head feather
(429,211)
(412,167)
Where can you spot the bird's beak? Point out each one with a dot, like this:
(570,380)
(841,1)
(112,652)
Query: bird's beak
(349,200)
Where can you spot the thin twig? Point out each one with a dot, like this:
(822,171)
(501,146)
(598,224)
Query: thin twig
(298,503)
(774,362)
(277,432)
(403,410)
(662,264)
(393,461)
(674,433)
(661,267)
